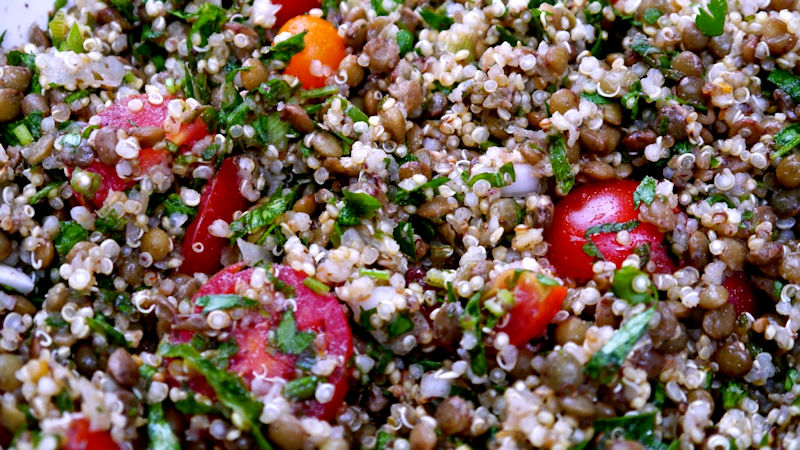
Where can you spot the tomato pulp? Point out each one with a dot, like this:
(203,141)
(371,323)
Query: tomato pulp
(596,204)
(317,313)
(81,437)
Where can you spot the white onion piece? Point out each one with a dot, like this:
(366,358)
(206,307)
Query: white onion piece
(253,253)
(15,279)
(432,386)
(525,182)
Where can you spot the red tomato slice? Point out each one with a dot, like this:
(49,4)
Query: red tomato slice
(535,305)
(740,294)
(291,8)
(315,312)
(80,437)
(220,200)
(597,204)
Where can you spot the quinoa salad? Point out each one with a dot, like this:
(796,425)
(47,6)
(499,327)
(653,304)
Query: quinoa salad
(409,225)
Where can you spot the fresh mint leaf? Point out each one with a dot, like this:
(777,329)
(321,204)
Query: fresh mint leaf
(99,324)
(404,235)
(651,15)
(596,98)
(605,363)
(173,204)
(69,234)
(623,286)
(732,394)
(405,40)
(63,401)
(418,195)
(271,130)
(612,227)
(400,325)
(289,339)
(284,50)
(357,206)
(787,81)
(229,388)
(645,192)
(262,216)
(159,430)
(787,139)
(561,168)
(711,22)
(224,301)
(301,388)
(437,20)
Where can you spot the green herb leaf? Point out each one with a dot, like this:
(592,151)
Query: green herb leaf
(405,40)
(357,206)
(497,179)
(208,20)
(590,248)
(328,5)
(284,50)
(544,280)
(404,235)
(383,440)
(301,388)
(787,81)
(173,204)
(596,98)
(99,324)
(787,139)
(63,401)
(418,195)
(638,428)
(322,92)
(400,325)
(622,285)
(606,362)
(224,301)
(124,7)
(631,99)
(110,224)
(271,130)
(69,234)
(437,20)
(711,22)
(44,192)
(229,388)
(262,216)
(274,91)
(732,394)
(289,339)
(792,378)
(645,192)
(561,168)
(17,58)
(159,430)
(612,227)
(651,15)
(506,35)
(717,198)
(24,131)
(642,46)
(190,405)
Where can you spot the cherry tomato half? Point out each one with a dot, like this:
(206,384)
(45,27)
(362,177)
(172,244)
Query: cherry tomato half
(220,200)
(319,313)
(535,304)
(324,50)
(592,205)
(291,8)
(81,437)
(740,294)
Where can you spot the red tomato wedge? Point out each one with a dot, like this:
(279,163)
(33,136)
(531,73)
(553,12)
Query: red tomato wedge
(535,304)
(220,200)
(119,115)
(291,8)
(740,294)
(593,205)
(80,437)
(318,313)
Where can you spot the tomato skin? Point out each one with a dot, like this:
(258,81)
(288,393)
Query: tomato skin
(323,44)
(535,305)
(220,200)
(740,294)
(80,437)
(291,8)
(315,312)
(597,204)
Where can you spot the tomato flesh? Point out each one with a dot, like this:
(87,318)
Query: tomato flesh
(535,304)
(315,312)
(597,204)
(740,294)
(324,50)
(81,437)
(220,200)
(291,8)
